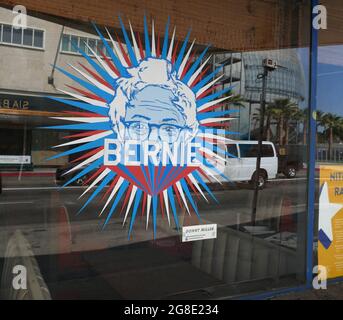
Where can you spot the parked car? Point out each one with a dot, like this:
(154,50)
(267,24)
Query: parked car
(290,160)
(241,162)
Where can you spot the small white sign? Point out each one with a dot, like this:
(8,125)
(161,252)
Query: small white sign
(15,159)
(199,232)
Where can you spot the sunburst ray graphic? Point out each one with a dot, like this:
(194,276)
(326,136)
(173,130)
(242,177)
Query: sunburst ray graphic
(99,92)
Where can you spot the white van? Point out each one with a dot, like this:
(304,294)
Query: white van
(241,165)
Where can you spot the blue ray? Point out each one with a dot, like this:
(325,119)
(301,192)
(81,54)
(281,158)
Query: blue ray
(99,69)
(216,131)
(214,114)
(134,212)
(146,39)
(82,126)
(122,70)
(145,176)
(212,96)
(87,85)
(165,42)
(130,175)
(151,168)
(189,196)
(212,167)
(191,71)
(204,185)
(214,147)
(173,175)
(121,191)
(182,52)
(128,44)
(86,146)
(82,105)
(172,203)
(86,170)
(154,213)
(203,82)
(101,186)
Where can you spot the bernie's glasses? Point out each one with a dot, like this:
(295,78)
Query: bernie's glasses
(140,130)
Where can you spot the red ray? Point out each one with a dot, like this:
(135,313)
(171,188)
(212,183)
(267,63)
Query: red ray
(190,60)
(213,124)
(204,174)
(83,134)
(88,154)
(111,187)
(197,79)
(206,92)
(141,51)
(87,94)
(174,53)
(109,63)
(213,107)
(177,195)
(94,175)
(161,203)
(97,77)
(84,114)
(158,51)
(145,196)
(193,188)
(125,55)
(126,198)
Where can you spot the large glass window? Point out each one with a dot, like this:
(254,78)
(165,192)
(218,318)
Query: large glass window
(96,228)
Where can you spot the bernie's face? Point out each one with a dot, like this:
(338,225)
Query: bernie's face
(153,115)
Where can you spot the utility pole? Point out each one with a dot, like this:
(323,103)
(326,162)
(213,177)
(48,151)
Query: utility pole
(268,66)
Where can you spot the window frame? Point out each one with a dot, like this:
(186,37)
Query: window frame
(11,44)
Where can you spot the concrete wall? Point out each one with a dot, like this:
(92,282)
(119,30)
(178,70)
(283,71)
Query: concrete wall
(27,69)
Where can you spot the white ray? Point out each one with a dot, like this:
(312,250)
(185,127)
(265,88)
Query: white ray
(94,81)
(132,196)
(93,102)
(117,50)
(212,103)
(196,73)
(84,163)
(197,186)
(211,153)
(166,203)
(170,51)
(204,88)
(214,137)
(207,170)
(148,205)
(114,191)
(135,46)
(99,178)
(83,119)
(179,187)
(86,139)
(185,59)
(213,120)
(102,62)
(153,45)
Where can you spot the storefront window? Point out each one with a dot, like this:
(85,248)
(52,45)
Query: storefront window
(127,230)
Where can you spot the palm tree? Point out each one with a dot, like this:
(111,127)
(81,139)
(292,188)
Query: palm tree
(268,117)
(302,116)
(237,101)
(331,122)
(283,110)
